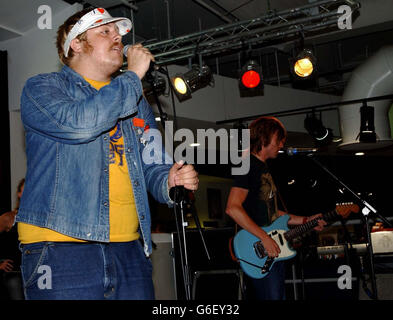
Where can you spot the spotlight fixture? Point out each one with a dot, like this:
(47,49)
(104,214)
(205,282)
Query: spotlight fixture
(157,84)
(367,128)
(317,130)
(192,80)
(303,66)
(250,80)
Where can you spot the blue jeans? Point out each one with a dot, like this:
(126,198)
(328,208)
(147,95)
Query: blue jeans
(86,271)
(272,286)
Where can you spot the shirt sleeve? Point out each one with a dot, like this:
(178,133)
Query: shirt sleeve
(242,181)
(48,107)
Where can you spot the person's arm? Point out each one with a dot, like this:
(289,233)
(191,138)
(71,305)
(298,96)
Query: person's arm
(295,220)
(7,220)
(48,109)
(236,211)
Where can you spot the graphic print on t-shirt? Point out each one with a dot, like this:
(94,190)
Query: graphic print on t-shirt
(116,147)
(267,193)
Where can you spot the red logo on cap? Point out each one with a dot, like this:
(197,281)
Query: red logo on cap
(101,10)
(98,21)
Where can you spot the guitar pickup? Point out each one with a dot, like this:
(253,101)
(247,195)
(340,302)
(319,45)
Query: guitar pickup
(280,239)
(260,250)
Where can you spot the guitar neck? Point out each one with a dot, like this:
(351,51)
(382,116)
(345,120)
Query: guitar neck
(303,228)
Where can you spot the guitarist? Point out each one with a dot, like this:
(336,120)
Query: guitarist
(252,202)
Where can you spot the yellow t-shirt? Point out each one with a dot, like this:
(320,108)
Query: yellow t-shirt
(123,218)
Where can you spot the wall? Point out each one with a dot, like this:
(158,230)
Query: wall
(34,52)
(202,203)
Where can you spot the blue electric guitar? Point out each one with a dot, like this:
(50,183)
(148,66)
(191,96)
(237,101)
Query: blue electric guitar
(251,254)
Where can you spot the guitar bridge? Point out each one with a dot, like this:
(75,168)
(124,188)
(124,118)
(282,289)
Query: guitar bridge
(267,265)
(260,250)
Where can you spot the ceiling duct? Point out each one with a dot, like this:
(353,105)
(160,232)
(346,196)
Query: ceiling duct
(372,79)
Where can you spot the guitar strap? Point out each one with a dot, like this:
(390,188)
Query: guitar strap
(231,252)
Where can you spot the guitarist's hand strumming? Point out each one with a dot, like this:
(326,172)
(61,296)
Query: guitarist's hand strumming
(271,246)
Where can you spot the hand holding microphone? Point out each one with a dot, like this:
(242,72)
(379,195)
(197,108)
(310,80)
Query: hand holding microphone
(138,59)
(181,179)
(182,174)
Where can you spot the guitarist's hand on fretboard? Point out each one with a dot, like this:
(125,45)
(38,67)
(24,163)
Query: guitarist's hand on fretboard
(321,223)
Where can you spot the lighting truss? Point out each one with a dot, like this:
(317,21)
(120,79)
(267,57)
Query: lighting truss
(315,17)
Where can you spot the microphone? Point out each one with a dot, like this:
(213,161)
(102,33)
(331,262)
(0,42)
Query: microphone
(125,49)
(153,66)
(294,151)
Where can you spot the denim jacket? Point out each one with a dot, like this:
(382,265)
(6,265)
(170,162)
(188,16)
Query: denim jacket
(67,124)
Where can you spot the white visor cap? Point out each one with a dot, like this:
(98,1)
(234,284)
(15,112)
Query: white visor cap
(92,19)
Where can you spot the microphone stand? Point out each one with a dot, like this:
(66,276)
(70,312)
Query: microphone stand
(367,208)
(179,195)
(179,199)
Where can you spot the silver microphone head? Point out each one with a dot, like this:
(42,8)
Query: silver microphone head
(125,49)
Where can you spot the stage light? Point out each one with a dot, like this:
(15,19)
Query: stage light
(367,128)
(189,82)
(303,66)
(317,130)
(157,83)
(250,80)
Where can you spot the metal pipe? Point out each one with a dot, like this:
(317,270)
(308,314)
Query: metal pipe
(212,10)
(131,6)
(321,107)
(277,69)
(168,19)
(248,23)
(250,33)
(235,45)
(175,47)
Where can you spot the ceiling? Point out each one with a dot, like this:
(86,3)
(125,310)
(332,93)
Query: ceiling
(337,53)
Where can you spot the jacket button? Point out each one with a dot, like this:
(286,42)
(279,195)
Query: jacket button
(142,217)
(136,183)
(105,204)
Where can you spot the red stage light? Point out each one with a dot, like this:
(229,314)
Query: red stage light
(251,79)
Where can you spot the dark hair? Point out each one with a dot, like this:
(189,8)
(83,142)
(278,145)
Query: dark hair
(63,32)
(262,131)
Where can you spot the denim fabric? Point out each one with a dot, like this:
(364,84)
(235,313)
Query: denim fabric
(87,271)
(271,287)
(67,125)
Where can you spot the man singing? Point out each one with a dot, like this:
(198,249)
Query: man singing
(85,203)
